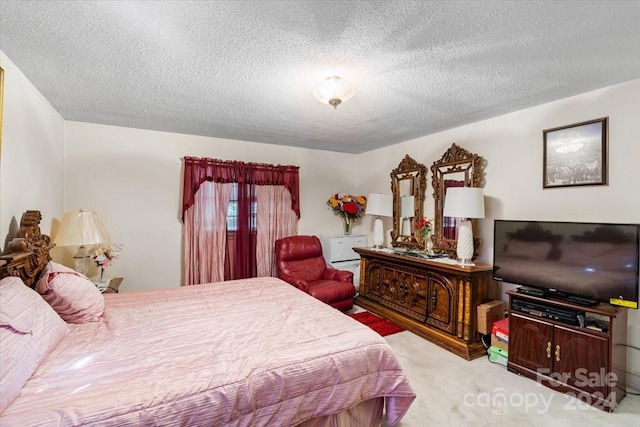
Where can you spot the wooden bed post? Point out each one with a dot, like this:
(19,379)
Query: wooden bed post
(29,250)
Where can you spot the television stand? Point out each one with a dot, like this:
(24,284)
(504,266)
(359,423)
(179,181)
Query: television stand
(587,360)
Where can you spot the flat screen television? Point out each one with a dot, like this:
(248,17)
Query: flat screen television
(583,262)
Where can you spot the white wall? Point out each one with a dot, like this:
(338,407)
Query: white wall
(133,179)
(31,156)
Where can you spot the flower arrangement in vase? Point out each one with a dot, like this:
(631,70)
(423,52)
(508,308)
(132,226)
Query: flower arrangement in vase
(103,255)
(349,207)
(424,227)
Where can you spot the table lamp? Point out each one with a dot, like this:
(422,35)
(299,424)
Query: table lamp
(379,205)
(80,228)
(464,203)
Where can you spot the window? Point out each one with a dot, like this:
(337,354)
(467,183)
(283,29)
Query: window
(232,211)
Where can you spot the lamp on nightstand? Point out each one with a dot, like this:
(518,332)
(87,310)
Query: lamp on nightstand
(80,228)
(379,205)
(464,203)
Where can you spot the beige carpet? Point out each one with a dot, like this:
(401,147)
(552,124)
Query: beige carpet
(456,392)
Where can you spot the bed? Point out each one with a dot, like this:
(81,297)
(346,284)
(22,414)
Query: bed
(254,352)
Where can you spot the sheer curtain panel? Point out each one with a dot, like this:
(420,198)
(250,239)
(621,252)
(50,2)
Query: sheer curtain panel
(275,220)
(205,234)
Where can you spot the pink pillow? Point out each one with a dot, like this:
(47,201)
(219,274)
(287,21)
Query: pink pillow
(29,330)
(74,297)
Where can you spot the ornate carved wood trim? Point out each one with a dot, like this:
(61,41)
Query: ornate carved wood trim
(29,250)
(468,167)
(415,173)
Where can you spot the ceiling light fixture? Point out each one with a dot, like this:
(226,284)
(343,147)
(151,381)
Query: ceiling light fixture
(334,91)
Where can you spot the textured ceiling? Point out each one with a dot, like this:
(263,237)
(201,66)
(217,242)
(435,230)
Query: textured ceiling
(247,70)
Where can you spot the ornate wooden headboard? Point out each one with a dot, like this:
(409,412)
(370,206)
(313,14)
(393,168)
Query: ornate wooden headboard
(28,251)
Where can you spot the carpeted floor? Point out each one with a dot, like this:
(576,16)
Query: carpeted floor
(456,392)
(378,324)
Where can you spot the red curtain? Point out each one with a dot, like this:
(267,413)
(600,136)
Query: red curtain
(240,257)
(198,170)
(245,262)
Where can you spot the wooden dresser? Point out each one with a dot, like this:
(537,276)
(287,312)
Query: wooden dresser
(435,300)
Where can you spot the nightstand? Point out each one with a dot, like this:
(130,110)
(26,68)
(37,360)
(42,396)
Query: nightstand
(111,287)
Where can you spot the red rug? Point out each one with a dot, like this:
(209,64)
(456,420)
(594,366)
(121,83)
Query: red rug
(378,324)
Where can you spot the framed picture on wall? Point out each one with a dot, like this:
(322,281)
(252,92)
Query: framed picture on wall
(575,155)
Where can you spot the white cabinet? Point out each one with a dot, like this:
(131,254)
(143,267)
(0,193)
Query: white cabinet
(339,247)
(338,252)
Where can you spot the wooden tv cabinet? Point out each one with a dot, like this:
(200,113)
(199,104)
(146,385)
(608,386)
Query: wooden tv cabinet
(433,299)
(589,364)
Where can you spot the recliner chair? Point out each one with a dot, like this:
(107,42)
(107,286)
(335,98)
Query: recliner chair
(300,262)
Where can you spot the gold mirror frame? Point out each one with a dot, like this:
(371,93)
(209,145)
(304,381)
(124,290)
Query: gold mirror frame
(461,165)
(408,180)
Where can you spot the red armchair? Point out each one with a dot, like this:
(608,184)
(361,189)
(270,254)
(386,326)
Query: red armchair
(300,262)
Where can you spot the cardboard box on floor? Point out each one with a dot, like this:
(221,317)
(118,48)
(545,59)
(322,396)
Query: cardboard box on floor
(488,313)
(499,343)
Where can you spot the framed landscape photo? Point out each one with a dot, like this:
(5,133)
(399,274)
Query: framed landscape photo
(575,155)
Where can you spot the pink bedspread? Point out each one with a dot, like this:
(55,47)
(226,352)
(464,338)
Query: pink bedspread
(243,353)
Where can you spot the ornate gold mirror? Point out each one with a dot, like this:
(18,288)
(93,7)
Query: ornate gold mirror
(408,184)
(456,168)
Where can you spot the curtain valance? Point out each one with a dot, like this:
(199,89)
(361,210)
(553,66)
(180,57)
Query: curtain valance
(198,170)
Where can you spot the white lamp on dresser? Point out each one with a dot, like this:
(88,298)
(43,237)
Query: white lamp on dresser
(464,203)
(379,205)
